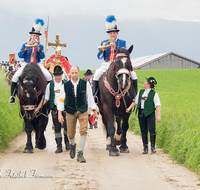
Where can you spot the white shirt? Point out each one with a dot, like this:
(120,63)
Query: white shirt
(57,90)
(89,95)
(156,98)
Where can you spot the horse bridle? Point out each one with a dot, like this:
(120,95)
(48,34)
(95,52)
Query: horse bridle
(120,93)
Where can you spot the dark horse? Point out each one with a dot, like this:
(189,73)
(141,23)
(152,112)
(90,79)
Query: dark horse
(116,93)
(32,87)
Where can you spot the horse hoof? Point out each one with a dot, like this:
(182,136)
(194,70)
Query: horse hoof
(28,150)
(113,152)
(41,145)
(124,150)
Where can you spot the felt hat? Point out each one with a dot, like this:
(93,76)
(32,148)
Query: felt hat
(57,70)
(111,24)
(152,81)
(88,72)
(37,26)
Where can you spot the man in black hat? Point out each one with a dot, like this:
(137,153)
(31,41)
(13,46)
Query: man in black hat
(88,76)
(147,100)
(52,95)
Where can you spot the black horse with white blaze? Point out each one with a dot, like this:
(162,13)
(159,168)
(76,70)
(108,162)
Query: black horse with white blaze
(32,87)
(116,93)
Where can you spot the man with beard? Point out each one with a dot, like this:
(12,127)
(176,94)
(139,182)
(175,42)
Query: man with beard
(76,97)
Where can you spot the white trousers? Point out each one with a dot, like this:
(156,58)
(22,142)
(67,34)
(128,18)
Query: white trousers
(46,73)
(104,67)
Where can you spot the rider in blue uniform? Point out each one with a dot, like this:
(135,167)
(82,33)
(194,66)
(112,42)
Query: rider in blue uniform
(31,54)
(108,54)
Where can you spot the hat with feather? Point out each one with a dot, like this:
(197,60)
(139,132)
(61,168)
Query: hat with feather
(37,26)
(111,24)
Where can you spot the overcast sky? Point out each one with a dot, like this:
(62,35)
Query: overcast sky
(182,10)
(17,18)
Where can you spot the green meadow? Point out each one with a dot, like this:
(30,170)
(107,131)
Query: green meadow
(178,133)
(10,123)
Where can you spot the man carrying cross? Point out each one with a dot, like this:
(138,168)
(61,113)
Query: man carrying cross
(57,58)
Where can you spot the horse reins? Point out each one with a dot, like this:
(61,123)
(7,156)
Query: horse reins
(120,93)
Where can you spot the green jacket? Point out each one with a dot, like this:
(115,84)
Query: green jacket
(149,106)
(72,103)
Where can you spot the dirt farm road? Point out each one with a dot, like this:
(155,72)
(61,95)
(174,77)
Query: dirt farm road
(49,171)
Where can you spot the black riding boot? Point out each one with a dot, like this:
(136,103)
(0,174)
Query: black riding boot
(135,85)
(59,145)
(95,87)
(153,143)
(67,145)
(13,89)
(145,144)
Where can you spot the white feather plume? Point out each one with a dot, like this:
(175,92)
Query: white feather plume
(110,25)
(37,27)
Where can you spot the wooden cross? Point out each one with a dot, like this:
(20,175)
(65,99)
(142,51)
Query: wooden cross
(57,43)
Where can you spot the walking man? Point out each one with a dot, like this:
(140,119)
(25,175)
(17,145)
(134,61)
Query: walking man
(76,96)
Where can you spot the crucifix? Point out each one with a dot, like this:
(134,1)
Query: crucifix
(57,43)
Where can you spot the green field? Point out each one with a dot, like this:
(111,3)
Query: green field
(178,133)
(10,123)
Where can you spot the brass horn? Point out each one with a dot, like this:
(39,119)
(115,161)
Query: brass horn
(32,44)
(107,45)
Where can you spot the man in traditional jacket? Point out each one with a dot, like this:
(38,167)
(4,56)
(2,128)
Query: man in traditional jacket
(52,95)
(58,59)
(76,97)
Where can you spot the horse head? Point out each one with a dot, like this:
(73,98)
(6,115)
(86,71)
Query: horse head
(123,66)
(28,96)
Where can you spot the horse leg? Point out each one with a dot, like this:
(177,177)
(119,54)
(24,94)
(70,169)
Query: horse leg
(108,142)
(28,129)
(124,148)
(119,131)
(41,141)
(113,151)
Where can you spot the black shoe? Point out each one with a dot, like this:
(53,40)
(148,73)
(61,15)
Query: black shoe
(145,144)
(145,149)
(59,145)
(91,127)
(80,157)
(72,151)
(12,100)
(153,142)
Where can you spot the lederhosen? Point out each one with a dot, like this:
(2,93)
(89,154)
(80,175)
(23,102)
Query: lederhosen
(54,110)
(146,116)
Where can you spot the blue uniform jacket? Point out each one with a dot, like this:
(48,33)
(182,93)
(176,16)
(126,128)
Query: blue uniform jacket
(119,43)
(27,55)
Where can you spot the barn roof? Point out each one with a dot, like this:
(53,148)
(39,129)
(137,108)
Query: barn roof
(142,61)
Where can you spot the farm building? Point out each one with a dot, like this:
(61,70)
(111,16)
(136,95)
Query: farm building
(169,60)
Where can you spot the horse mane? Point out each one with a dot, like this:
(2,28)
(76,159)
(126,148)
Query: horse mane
(33,72)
